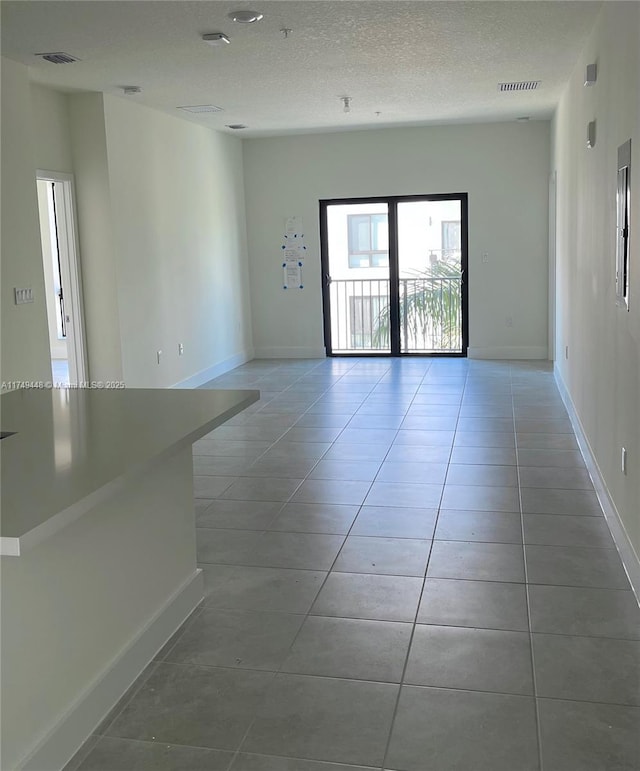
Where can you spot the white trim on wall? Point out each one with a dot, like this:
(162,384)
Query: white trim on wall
(630,559)
(93,705)
(205,375)
(553,206)
(291,352)
(508,352)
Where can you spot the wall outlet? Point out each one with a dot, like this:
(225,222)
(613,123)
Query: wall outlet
(180,349)
(159,356)
(509,321)
(623,460)
(485,256)
(566,352)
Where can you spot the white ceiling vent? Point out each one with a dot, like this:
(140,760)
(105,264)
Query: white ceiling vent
(58,57)
(200,108)
(519,85)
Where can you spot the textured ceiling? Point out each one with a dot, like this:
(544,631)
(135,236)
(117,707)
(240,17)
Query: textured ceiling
(414,63)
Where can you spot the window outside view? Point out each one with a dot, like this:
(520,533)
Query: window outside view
(429,276)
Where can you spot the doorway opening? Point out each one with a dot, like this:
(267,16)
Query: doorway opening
(395,275)
(62,278)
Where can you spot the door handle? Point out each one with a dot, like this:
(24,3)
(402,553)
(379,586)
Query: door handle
(327,279)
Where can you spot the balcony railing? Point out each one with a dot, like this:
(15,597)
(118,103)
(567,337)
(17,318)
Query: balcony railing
(430,315)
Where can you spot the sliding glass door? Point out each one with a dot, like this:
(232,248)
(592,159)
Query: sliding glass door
(356,277)
(394,275)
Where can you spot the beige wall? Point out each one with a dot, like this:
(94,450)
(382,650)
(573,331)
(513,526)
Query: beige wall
(24,337)
(602,373)
(503,167)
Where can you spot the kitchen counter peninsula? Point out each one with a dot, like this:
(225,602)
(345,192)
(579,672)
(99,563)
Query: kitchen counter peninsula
(98,563)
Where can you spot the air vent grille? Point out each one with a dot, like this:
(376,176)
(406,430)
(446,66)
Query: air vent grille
(520,85)
(236,126)
(58,57)
(200,108)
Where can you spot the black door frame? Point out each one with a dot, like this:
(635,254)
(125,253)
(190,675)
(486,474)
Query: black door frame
(392,202)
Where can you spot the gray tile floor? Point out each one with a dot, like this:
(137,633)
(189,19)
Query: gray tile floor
(406,568)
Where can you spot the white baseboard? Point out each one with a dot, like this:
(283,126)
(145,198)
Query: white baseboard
(619,533)
(508,352)
(204,376)
(291,352)
(56,749)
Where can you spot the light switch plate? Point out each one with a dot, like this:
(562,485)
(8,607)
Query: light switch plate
(23,295)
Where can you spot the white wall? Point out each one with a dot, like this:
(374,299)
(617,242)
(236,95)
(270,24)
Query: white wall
(161,221)
(177,202)
(95,233)
(50,115)
(24,338)
(503,167)
(73,606)
(602,373)
(52,152)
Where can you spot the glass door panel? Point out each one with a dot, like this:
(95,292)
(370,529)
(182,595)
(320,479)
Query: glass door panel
(430,276)
(357,286)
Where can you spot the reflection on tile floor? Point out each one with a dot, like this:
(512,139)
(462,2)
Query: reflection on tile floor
(406,568)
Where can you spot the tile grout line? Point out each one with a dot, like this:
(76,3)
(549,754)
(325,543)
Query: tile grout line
(415,619)
(252,722)
(277,514)
(526,586)
(439,508)
(307,615)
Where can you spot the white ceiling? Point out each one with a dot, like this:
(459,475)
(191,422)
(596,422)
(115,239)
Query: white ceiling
(415,63)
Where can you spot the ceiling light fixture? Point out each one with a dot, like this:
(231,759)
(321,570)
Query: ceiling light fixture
(346,101)
(246,17)
(216,39)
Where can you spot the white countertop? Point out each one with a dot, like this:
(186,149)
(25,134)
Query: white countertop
(75,447)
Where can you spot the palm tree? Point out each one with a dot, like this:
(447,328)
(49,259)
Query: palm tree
(430,311)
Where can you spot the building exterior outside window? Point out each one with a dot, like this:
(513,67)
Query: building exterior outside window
(368,238)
